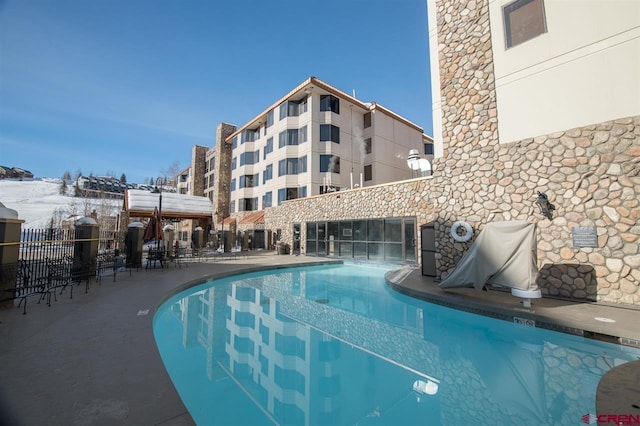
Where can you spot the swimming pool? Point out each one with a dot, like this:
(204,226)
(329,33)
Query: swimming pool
(333,345)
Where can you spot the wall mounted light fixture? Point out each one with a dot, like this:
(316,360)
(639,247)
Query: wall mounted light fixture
(546,208)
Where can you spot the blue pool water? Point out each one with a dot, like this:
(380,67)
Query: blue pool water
(332,345)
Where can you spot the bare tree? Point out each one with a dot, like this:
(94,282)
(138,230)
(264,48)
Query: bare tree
(171,172)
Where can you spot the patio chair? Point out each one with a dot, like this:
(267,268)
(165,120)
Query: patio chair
(27,285)
(59,275)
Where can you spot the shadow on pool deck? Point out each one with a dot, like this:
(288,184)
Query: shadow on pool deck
(93,359)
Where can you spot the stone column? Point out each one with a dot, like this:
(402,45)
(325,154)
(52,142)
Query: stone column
(85,249)
(168,238)
(10,228)
(135,233)
(197,239)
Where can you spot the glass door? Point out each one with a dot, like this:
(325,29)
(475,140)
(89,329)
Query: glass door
(322,239)
(410,241)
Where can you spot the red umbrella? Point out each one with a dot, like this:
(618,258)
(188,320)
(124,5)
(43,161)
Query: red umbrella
(154,228)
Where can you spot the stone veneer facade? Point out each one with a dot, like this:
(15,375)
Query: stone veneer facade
(591,174)
(198,154)
(221,153)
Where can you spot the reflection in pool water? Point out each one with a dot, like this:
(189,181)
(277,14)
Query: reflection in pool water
(329,345)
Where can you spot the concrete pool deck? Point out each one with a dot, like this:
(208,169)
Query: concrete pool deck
(92,360)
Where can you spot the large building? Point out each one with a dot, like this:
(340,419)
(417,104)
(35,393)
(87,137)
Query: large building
(314,140)
(317,139)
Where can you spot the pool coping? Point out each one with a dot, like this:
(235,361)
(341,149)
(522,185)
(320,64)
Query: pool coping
(572,317)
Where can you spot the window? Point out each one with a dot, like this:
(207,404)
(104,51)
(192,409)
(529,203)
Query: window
(327,189)
(290,194)
(268,148)
(288,137)
(250,136)
(329,132)
(248,181)
(267,173)
(233,184)
(267,200)
(292,137)
(329,164)
(247,204)
(367,146)
(329,103)
(249,158)
(269,119)
(232,207)
(234,143)
(368,172)
(367,120)
(233,163)
(292,166)
(428,149)
(523,20)
(293,108)
(302,134)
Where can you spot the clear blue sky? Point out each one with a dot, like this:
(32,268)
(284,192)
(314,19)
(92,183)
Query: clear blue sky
(129,86)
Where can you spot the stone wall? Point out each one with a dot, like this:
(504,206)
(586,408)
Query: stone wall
(222,153)
(591,175)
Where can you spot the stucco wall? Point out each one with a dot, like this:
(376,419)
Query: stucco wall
(583,70)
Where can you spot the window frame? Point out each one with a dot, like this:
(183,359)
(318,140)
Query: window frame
(367,119)
(267,173)
(368,172)
(334,132)
(533,32)
(330,103)
(268,148)
(368,146)
(328,159)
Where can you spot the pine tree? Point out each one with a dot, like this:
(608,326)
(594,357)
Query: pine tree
(123,178)
(63,187)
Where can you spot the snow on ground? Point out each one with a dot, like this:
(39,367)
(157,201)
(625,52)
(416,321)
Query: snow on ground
(37,201)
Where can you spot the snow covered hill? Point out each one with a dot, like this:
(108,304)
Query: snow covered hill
(38,201)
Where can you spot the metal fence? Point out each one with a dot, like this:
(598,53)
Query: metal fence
(51,260)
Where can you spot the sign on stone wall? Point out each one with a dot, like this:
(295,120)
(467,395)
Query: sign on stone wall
(584,236)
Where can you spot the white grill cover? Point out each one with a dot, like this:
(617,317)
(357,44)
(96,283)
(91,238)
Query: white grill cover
(504,254)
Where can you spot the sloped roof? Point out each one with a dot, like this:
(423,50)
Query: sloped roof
(315,82)
(140,203)
(256,217)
